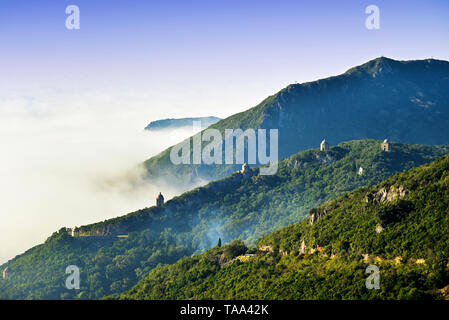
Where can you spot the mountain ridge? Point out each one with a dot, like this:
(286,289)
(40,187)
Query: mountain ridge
(354,105)
(404,236)
(172,123)
(240,206)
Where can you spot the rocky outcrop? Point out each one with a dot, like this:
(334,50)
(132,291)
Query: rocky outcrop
(386,195)
(223,262)
(420,261)
(443,292)
(103,231)
(316,214)
(365,257)
(266,248)
(379,228)
(326,158)
(302,249)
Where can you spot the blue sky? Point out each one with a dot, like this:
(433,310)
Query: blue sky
(246,49)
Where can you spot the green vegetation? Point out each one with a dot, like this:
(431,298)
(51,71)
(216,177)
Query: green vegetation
(328,259)
(234,249)
(405,101)
(237,207)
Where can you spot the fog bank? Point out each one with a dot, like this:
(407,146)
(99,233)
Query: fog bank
(73,159)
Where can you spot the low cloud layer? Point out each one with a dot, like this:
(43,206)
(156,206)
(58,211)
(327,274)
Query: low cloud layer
(70,160)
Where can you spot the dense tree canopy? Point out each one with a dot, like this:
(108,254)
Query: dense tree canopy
(329,258)
(237,207)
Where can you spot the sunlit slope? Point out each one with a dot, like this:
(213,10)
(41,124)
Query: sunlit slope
(400,227)
(405,101)
(239,206)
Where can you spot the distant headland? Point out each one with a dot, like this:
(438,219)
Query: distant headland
(180,123)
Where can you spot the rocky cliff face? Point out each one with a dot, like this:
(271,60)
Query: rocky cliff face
(316,214)
(380,99)
(386,195)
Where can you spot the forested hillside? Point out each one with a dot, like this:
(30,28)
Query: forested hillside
(405,101)
(400,225)
(245,206)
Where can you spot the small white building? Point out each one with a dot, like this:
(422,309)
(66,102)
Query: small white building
(360,172)
(324,145)
(5,273)
(379,228)
(245,168)
(385,146)
(75,232)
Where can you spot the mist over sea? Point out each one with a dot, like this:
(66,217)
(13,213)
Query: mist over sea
(73,160)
